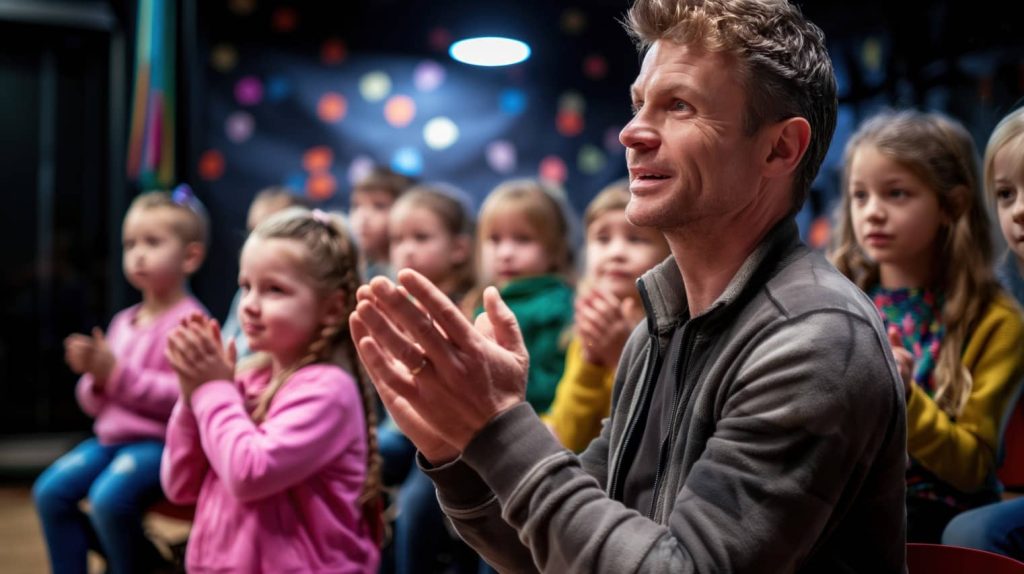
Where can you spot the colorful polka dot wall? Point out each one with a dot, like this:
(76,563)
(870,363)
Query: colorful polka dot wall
(310,96)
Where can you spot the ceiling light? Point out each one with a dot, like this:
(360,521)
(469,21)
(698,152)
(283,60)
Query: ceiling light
(489,51)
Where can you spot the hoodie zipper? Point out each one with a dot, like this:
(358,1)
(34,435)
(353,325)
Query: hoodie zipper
(687,344)
(618,478)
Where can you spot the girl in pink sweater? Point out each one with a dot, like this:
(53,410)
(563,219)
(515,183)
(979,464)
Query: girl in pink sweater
(128,386)
(281,459)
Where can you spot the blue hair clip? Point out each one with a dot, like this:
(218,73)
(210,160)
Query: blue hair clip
(183,195)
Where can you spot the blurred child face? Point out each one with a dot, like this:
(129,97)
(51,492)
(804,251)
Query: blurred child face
(259,211)
(280,308)
(896,216)
(512,249)
(1008,175)
(420,241)
(368,214)
(155,257)
(619,252)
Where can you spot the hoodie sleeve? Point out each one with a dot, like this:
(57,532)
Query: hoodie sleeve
(782,448)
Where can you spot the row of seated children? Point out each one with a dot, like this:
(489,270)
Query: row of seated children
(913,233)
(228,445)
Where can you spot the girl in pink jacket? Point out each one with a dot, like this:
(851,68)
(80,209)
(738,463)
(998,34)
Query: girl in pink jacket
(281,459)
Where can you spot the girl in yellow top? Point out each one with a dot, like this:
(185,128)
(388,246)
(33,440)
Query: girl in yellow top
(606,311)
(914,235)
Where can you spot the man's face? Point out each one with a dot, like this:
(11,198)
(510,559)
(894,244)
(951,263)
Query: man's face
(688,155)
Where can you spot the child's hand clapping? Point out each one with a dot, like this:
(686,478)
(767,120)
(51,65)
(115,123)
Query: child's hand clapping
(603,324)
(90,354)
(904,360)
(195,351)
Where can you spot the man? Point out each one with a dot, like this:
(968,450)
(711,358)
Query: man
(758,422)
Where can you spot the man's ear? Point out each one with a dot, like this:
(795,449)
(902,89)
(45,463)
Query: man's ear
(788,140)
(195,252)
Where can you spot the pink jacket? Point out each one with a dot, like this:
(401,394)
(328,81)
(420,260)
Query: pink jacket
(141,391)
(281,496)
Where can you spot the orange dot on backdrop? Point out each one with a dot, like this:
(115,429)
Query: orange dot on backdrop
(332,107)
(211,165)
(569,123)
(399,111)
(284,19)
(820,232)
(321,186)
(318,159)
(333,51)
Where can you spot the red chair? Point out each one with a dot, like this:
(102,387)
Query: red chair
(939,559)
(1011,472)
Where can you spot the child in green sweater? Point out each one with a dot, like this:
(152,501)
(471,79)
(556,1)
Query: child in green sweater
(523,249)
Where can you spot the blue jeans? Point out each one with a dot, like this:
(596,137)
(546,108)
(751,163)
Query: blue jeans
(996,528)
(421,534)
(121,481)
(397,454)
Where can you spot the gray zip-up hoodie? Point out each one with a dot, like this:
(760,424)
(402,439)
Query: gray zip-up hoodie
(789,451)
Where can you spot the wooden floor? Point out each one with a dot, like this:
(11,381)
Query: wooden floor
(22,550)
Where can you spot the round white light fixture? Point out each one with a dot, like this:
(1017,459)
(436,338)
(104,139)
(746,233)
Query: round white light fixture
(490,51)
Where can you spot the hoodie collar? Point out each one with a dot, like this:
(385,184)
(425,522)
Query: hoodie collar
(664,294)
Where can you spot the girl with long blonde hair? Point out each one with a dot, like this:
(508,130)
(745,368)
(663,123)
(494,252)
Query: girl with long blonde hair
(914,234)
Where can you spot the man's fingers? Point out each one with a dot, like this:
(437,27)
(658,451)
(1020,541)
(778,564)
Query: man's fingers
(379,329)
(97,335)
(503,322)
(364,293)
(436,307)
(384,370)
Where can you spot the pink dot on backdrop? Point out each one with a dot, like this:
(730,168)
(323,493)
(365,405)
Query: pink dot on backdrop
(611,140)
(553,169)
(249,91)
(501,156)
(595,67)
(239,127)
(359,168)
(428,76)
(440,39)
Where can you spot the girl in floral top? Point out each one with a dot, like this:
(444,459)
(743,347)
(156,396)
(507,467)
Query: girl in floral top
(914,235)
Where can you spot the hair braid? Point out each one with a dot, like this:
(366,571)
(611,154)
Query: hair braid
(370,499)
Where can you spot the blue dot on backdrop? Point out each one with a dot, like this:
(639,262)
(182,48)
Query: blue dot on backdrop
(407,161)
(513,101)
(278,88)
